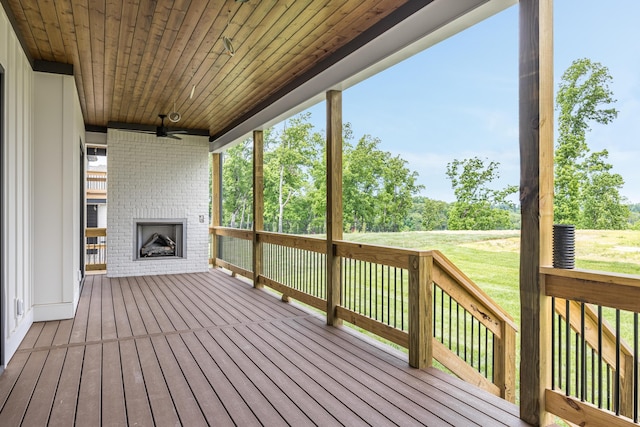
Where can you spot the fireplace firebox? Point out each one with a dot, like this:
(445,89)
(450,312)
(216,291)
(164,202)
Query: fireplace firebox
(159,238)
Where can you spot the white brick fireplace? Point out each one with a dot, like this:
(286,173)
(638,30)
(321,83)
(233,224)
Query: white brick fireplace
(157,182)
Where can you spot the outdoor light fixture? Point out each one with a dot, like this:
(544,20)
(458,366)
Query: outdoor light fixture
(228,47)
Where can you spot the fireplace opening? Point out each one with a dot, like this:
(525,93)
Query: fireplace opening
(159,239)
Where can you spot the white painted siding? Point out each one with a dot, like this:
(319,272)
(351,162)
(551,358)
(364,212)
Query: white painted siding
(58,132)
(18,187)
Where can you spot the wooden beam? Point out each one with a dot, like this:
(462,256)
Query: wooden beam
(216,207)
(258,204)
(582,413)
(334,201)
(536,199)
(420,311)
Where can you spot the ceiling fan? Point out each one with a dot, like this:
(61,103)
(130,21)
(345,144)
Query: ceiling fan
(163,131)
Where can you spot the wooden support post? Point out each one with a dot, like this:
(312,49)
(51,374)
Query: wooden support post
(334,201)
(258,204)
(216,191)
(536,199)
(505,363)
(626,385)
(420,311)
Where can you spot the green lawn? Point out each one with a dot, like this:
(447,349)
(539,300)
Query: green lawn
(491,258)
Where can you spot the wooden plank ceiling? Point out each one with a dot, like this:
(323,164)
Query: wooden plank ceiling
(134,59)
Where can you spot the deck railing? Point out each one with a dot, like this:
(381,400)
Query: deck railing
(96,249)
(472,337)
(96,185)
(594,346)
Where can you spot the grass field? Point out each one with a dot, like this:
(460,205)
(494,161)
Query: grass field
(491,258)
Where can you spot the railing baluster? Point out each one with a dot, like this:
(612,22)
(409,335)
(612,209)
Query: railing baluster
(577,363)
(568,349)
(450,310)
(437,313)
(395,297)
(370,281)
(583,355)
(560,322)
(388,295)
(486,352)
(600,357)
(616,402)
(402,299)
(441,315)
(457,329)
(593,375)
(375,276)
(608,387)
(636,401)
(553,342)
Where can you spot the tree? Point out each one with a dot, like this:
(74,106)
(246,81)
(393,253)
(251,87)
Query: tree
(435,214)
(378,188)
(476,204)
(237,185)
(395,198)
(587,194)
(603,207)
(288,156)
(362,171)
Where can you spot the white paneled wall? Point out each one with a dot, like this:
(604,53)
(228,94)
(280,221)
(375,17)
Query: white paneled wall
(58,131)
(17,156)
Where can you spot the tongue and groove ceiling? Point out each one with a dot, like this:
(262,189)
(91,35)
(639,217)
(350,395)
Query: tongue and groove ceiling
(135,59)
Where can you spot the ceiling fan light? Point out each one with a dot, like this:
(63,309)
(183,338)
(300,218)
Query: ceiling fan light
(174,116)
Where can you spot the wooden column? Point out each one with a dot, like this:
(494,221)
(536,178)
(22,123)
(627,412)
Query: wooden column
(505,362)
(536,199)
(216,191)
(258,204)
(420,311)
(334,201)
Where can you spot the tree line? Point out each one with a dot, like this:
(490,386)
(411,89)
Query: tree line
(381,193)
(378,187)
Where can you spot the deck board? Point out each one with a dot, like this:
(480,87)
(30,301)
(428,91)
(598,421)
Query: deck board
(63,411)
(41,402)
(89,396)
(114,408)
(208,349)
(135,388)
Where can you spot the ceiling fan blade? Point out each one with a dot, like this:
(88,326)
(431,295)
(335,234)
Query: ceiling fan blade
(140,131)
(175,132)
(173,136)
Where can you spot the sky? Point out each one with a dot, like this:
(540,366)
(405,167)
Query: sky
(459,99)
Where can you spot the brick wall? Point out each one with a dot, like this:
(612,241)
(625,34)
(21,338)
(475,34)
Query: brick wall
(154,178)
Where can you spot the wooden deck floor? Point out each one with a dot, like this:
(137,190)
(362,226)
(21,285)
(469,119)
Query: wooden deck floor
(207,349)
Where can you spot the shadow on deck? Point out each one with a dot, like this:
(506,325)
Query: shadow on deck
(207,349)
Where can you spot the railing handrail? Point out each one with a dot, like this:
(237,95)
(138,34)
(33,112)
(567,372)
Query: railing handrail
(315,244)
(474,290)
(95,232)
(238,233)
(388,255)
(615,290)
